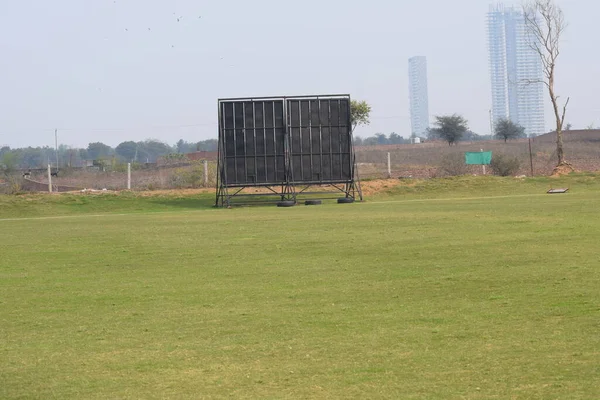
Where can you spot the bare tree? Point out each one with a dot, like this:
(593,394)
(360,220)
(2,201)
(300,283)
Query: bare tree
(545,23)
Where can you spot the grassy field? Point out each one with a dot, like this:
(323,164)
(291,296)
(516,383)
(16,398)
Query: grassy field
(467,288)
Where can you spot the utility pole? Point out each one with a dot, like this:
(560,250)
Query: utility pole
(491,124)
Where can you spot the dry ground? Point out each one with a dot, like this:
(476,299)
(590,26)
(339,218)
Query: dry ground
(582,150)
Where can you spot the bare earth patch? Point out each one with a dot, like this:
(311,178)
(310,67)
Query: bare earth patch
(561,170)
(175,192)
(369,188)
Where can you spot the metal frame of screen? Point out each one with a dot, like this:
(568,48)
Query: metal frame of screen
(287,145)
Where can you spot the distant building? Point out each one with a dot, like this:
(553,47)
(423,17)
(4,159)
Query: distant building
(419,98)
(516,71)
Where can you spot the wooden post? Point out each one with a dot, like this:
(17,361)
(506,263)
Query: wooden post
(49,179)
(389,166)
(128,176)
(205,163)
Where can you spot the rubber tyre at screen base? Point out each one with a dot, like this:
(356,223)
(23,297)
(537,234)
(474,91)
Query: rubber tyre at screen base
(313,202)
(345,200)
(287,203)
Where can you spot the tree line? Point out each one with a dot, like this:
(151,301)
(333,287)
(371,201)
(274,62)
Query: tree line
(380,139)
(147,151)
(455,128)
(450,128)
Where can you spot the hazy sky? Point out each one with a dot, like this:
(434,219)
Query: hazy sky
(104,70)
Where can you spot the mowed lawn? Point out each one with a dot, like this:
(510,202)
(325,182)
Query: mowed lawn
(400,297)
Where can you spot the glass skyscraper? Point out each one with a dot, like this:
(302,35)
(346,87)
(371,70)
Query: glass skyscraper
(419,99)
(516,71)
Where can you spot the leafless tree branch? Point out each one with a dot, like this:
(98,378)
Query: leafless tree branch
(545,24)
(528,82)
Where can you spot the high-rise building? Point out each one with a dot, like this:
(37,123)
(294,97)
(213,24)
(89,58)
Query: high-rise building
(516,71)
(419,99)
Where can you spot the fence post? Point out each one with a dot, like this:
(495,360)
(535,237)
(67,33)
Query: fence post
(128,176)
(205,163)
(530,157)
(49,179)
(389,166)
(483,164)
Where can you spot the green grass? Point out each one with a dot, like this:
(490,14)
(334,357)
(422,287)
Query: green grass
(45,205)
(451,289)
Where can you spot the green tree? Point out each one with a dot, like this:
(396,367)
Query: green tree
(394,138)
(149,150)
(450,128)
(507,129)
(83,154)
(381,139)
(98,150)
(360,113)
(126,150)
(34,157)
(181,145)
(430,134)
(370,141)
(8,162)
(473,137)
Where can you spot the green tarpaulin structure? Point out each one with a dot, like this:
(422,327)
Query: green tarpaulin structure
(480,158)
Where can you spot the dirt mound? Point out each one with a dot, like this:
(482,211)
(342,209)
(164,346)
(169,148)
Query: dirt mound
(582,135)
(564,169)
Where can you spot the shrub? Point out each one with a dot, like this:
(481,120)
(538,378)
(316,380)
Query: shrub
(504,165)
(453,165)
(191,177)
(10,185)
